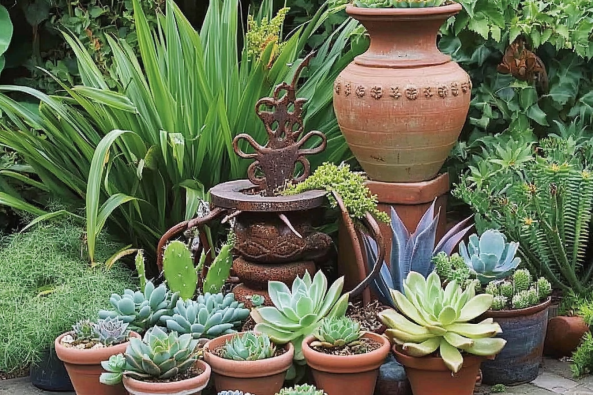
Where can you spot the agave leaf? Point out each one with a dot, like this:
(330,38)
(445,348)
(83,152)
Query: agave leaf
(274,289)
(457,340)
(475,331)
(475,307)
(274,316)
(422,252)
(452,237)
(400,264)
(408,337)
(393,319)
(451,356)
(486,347)
(407,308)
(276,334)
(379,284)
(332,295)
(422,349)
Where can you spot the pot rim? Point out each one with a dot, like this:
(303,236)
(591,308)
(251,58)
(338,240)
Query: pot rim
(183,387)
(246,369)
(439,12)
(433,363)
(347,363)
(77,356)
(518,312)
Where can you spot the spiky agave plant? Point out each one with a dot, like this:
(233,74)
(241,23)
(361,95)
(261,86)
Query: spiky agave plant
(411,251)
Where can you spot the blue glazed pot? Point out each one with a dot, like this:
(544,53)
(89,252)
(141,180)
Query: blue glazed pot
(525,332)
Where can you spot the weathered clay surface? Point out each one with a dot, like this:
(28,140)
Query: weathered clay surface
(402,104)
(257,275)
(265,238)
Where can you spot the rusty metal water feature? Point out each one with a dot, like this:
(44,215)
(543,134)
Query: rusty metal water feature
(275,234)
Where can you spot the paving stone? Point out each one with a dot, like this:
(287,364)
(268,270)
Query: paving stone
(558,367)
(580,390)
(23,386)
(554,382)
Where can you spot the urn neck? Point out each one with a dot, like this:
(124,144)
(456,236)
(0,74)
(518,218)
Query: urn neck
(403,37)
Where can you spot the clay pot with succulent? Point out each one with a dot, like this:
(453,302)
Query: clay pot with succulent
(248,361)
(159,363)
(83,349)
(342,357)
(431,330)
(520,306)
(303,389)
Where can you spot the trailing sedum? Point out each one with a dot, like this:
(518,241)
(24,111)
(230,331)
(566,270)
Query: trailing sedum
(431,318)
(304,389)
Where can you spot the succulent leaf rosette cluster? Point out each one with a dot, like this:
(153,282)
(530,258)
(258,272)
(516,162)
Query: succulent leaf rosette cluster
(337,332)
(432,319)
(109,331)
(489,256)
(303,389)
(249,346)
(158,356)
(297,313)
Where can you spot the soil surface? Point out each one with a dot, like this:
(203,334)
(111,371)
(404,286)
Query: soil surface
(188,374)
(362,346)
(14,375)
(366,316)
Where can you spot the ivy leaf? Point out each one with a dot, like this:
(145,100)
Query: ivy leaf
(514,33)
(479,26)
(536,113)
(496,33)
(528,97)
(562,30)
(536,38)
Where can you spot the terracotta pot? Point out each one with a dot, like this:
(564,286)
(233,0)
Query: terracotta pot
(525,331)
(430,375)
(263,377)
(402,104)
(356,374)
(193,386)
(84,367)
(564,335)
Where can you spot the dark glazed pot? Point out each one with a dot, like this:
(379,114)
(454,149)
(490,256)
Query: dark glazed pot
(430,375)
(263,377)
(355,374)
(402,104)
(525,331)
(50,374)
(564,335)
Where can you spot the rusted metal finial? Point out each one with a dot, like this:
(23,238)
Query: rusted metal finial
(284,124)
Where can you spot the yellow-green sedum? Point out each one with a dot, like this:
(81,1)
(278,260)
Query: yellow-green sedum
(431,318)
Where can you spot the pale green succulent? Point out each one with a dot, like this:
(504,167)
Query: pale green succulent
(490,257)
(492,289)
(158,356)
(304,389)
(209,317)
(111,331)
(499,302)
(337,332)
(544,288)
(298,314)
(433,318)
(521,280)
(257,300)
(84,330)
(142,310)
(507,289)
(249,347)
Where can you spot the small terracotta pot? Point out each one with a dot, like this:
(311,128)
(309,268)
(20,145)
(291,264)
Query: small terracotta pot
(263,377)
(355,374)
(193,386)
(564,335)
(84,367)
(430,375)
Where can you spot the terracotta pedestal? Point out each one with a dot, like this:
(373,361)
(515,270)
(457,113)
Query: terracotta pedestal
(410,201)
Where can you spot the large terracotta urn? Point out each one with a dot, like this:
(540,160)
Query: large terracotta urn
(402,104)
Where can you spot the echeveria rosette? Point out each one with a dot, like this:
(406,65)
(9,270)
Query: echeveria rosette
(490,257)
(431,318)
(298,313)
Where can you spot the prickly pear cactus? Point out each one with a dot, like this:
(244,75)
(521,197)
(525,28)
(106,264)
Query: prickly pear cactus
(220,270)
(179,270)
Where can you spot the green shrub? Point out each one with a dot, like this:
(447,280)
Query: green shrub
(582,358)
(181,109)
(46,287)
